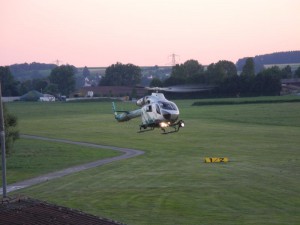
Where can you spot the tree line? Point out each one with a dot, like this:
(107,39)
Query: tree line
(61,81)
(223,75)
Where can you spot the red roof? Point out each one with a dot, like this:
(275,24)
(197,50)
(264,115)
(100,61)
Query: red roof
(114,91)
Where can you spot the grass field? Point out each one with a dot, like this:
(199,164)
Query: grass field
(31,158)
(171,184)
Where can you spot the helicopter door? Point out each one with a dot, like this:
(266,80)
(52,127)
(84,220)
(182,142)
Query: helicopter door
(151,114)
(148,116)
(157,109)
(149,108)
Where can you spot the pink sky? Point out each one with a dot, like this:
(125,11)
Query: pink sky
(145,32)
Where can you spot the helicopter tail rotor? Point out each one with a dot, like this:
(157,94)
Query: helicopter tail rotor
(114,109)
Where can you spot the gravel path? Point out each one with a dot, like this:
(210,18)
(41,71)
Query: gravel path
(128,153)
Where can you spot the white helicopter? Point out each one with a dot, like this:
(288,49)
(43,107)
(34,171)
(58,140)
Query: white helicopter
(156,111)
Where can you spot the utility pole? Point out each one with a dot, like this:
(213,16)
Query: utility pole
(3,151)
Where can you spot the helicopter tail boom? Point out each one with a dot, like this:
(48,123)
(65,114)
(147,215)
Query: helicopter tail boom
(122,116)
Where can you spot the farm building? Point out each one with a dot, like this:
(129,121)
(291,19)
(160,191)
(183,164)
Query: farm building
(112,91)
(290,86)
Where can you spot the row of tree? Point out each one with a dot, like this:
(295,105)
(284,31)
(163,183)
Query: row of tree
(122,75)
(224,76)
(61,81)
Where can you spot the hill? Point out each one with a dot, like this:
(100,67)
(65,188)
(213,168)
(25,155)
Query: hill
(31,71)
(291,57)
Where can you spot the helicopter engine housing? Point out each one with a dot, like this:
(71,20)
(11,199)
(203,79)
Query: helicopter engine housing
(142,101)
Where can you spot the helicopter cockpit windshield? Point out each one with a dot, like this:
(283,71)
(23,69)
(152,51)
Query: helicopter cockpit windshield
(167,105)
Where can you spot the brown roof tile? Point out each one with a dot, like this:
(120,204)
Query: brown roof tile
(27,211)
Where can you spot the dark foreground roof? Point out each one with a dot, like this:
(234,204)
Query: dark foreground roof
(27,211)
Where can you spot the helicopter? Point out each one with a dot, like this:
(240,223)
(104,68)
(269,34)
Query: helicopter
(156,111)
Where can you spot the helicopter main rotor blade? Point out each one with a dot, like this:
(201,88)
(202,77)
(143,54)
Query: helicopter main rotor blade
(183,88)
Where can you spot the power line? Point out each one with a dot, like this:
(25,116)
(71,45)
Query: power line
(173,59)
(57,62)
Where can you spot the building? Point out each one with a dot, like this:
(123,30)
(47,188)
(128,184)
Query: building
(112,91)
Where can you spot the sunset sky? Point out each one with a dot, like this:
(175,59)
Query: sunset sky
(145,32)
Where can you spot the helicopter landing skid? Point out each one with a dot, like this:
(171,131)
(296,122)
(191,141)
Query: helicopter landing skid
(164,131)
(176,127)
(145,129)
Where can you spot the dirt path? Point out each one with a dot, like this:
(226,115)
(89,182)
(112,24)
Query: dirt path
(128,153)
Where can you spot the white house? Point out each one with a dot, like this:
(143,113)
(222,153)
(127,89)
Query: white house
(47,98)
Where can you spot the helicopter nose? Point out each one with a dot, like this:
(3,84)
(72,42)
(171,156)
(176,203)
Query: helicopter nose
(167,116)
(171,117)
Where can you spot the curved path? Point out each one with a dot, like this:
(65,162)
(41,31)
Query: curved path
(128,153)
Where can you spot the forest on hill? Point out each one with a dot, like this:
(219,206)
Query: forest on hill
(290,57)
(29,71)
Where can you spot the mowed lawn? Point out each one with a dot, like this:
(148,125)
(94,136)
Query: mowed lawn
(171,184)
(31,158)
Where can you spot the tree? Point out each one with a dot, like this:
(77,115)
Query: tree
(267,82)
(231,86)
(25,87)
(218,72)
(192,67)
(39,84)
(188,72)
(122,75)
(247,78)
(248,68)
(85,72)
(9,85)
(286,72)
(156,82)
(52,89)
(63,76)
(177,76)
(11,131)
(297,72)
(35,84)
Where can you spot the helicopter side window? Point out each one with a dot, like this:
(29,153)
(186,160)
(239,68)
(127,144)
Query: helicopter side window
(149,108)
(157,109)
